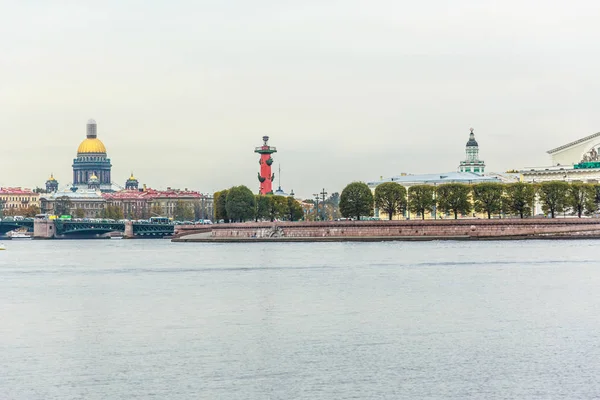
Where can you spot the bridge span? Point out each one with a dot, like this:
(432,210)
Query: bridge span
(67,229)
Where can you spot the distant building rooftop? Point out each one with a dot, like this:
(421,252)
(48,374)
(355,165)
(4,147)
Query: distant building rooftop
(15,190)
(430,179)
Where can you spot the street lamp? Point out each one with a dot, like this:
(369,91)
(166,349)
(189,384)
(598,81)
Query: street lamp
(316,206)
(434,200)
(323,193)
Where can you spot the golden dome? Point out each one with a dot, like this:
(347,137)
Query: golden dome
(91,146)
(51,177)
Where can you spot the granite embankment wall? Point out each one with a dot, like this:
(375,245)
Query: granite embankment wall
(394,230)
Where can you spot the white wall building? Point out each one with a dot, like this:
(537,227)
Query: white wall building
(578,161)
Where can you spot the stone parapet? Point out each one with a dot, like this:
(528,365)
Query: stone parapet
(409,230)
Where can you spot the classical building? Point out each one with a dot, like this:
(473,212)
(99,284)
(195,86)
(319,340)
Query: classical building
(92,161)
(51,184)
(472,163)
(16,199)
(408,180)
(89,201)
(577,161)
(577,151)
(146,202)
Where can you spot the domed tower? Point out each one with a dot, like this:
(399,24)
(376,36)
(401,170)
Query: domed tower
(51,184)
(131,183)
(265,177)
(92,161)
(472,163)
(94,183)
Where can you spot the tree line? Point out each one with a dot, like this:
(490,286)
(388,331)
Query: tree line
(239,204)
(490,198)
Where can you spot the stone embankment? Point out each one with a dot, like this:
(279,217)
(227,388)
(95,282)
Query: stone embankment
(462,229)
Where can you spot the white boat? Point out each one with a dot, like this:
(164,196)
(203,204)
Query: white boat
(18,235)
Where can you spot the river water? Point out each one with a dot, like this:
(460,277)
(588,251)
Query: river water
(127,319)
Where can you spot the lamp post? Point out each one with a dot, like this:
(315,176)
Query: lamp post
(435,200)
(323,193)
(316,206)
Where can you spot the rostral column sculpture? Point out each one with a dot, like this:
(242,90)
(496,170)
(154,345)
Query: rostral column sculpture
(265,176)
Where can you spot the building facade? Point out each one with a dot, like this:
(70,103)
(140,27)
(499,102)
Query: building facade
(472,163)
(86,203)
(577,161)
(92,161)
(146,202)
(16,200)
(577,151)
(407,180)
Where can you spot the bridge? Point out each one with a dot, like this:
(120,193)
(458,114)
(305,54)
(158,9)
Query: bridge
(8,225)
(57,229)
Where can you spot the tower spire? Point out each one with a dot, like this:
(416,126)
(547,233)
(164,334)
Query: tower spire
(472,163)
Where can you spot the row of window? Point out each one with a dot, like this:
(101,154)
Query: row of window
(18,205)
(19,198)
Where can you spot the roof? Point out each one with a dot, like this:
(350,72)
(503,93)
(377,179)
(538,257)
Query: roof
(447,177)
(152,194)
(16,190)
(566,146)
(89,194)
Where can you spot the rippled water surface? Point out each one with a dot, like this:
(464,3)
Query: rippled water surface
(123,319)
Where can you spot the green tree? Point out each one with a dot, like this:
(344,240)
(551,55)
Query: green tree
(183,211)
(261,207)
(278,207)
(294,209)
(391,198)
(62,206)
(31,211)
(421,199)
(581,198)
(220,201)
(519,198)
(553,196)
(112,212)
(79,213)
(240,203)
(156,210)
(454,198)
(487,198)
(356,200)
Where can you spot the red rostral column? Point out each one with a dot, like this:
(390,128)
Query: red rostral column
(265,177)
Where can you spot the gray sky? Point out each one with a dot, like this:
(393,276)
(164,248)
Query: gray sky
(348,90)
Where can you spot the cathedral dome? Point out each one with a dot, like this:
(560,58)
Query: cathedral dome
(91,146)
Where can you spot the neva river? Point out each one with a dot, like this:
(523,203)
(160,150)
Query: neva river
(135,319)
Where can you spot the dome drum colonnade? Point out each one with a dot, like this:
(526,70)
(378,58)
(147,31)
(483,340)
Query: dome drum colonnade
(91,160)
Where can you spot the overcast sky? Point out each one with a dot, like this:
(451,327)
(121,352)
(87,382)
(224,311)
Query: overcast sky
(348,90)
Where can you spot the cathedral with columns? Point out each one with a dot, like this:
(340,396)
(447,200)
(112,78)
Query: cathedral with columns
(92,167)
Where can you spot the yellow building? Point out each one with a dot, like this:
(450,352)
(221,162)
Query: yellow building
(469,178)
(16,199)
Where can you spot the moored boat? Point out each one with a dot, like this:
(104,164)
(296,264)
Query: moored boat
(18,235)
